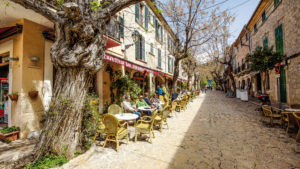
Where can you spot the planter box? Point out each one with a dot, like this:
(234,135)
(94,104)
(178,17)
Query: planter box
(13,97)
(33,94)
(10,136)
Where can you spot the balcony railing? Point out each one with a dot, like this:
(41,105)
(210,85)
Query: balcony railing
(113,30)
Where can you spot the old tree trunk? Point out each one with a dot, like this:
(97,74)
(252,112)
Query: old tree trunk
(77,55)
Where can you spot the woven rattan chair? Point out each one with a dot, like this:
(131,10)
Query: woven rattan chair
(297,118)
(182,104)
(145,126)
(114,130)
(114,109)
(267,110)
(162,118)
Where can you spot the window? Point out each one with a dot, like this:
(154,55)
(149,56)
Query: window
(139,13)
(263,16)
(121,26)
(170,64)
(255,28)
(279,39)
(159,58)
(140,48)
(147,17)
(276,2)
(158,31)
(151,48)
(266,42)
(247,37)
(161,34)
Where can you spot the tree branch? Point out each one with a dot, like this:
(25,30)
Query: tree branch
(39,7)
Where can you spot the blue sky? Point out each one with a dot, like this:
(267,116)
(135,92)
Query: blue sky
(242,10)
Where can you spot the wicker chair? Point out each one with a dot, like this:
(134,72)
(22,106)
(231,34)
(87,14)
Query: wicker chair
(145,126)
(297,119)
(114,130)
(114,109)
(181,105)
(162,118)
(267,110)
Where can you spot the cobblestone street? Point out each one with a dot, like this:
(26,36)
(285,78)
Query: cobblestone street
(214,132)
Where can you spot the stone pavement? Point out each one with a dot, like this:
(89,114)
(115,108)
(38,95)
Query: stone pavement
(214,132)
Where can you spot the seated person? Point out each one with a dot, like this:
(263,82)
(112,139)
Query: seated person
(141,103)
(175,95)
(147,100)
(128,107)
(156,101)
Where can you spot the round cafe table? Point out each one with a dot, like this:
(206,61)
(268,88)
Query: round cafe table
(126,116)
(292,110)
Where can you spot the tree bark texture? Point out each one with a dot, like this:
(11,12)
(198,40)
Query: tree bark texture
(62,129)
(175,75)
(77,55)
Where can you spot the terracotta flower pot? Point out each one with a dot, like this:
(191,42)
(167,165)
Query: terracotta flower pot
(13,97)
(10,136)
(33,94)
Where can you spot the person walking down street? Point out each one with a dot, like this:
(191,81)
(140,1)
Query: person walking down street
(175,95)
(129,108)
(141,103)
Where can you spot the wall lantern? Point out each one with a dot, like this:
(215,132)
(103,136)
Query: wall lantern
(135,36)
(34,59)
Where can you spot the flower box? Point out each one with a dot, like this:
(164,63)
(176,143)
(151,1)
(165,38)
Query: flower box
(13,97)
(10,136)
(33,94)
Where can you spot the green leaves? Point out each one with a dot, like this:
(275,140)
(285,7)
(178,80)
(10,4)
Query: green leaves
(48,162)
(95,5)
(7,130)
(263,59)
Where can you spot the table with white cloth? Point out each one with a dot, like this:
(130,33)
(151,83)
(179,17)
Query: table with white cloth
(143,109)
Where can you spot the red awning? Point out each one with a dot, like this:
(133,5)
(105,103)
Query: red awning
(10,31)
(128,64)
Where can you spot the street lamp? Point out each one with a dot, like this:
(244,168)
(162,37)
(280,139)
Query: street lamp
(135,37)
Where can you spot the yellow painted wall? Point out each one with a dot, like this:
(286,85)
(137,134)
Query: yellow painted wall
(27,113)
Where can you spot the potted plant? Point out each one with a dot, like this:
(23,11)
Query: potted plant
(33,93)
(14,96)
(9,133)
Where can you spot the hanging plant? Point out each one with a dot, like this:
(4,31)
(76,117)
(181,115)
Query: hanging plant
(33,93)
(13,96)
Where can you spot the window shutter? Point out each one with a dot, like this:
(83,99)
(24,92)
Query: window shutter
(266,42)
(168,63)
(162,34)
(146,17)
(137,49)
(137,12)
(279,39)
(159,57)
(156,29)
(121,26)
(173,60)
(151,48)
(143,49)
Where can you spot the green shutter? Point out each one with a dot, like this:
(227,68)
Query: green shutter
(159,57)
(143,49)
(121,26)
(146,17)
(137,49)
(266,42)
(276,2)
(137,12)
(169,70)
(279,39)
(283,97)
(156,29)
(151,48)
(162,34)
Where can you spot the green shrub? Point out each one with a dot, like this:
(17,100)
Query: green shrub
(48,162)
(7,130)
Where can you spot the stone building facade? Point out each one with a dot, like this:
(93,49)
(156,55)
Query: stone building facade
(276,23)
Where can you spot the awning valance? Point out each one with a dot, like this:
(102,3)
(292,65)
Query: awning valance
(10,31)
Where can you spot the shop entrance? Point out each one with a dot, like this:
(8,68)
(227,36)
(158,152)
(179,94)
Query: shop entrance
(4,89)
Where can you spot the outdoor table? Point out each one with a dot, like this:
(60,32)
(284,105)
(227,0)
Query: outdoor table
(292,110)
(126,116)
(143,109)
